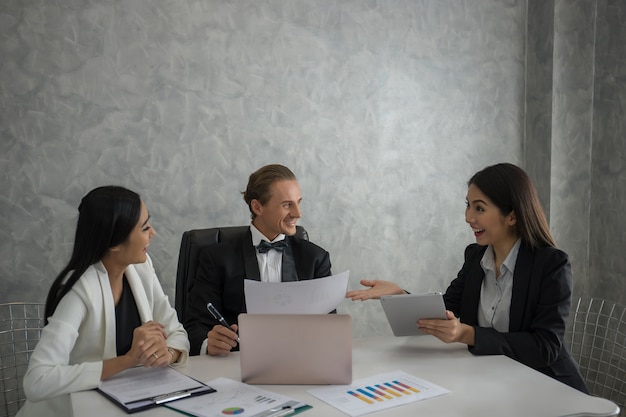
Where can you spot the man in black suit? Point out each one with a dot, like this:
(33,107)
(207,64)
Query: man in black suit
(269,251)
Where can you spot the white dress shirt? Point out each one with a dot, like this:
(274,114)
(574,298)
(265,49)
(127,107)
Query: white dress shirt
(496,292)
(271,262)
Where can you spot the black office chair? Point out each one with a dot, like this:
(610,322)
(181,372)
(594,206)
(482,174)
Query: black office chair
(192,242)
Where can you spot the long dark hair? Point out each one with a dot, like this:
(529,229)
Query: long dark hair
(510,189)
(106,217)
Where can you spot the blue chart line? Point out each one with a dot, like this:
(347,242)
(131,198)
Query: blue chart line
(362,391)
(378,392)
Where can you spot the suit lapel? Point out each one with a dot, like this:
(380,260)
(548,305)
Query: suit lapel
(108,311)
(250,263)
(521,284)
(473,287)
(289,272)
(141,299)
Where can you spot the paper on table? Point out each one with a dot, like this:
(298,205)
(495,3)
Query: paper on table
(311,296)
(378,392)
(139,387)
(236,398)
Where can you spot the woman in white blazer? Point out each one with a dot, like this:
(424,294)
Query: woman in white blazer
(106,311)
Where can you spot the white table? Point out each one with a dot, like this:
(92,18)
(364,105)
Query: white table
(479,385)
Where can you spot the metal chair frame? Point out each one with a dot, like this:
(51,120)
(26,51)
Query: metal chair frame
(20,330)
(596,338)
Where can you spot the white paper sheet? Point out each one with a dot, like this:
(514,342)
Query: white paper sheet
(376,393)
(141,383)
(311,296)
(236,398)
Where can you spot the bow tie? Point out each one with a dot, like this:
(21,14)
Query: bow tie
(265,246)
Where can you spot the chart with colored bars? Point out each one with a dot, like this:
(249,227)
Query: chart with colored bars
(380,392)
(377,393)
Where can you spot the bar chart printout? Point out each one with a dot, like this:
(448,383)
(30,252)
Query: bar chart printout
(377,393)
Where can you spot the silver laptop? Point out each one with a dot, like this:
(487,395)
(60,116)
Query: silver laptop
(296,349)
(403,311)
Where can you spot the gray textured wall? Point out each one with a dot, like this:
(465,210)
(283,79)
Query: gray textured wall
(572,107)
(383,109)
(607,231)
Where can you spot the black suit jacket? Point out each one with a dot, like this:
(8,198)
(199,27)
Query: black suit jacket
(540,304)
(222,269)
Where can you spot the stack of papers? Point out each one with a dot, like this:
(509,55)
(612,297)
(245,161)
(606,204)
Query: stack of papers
(236,398)
(140,388)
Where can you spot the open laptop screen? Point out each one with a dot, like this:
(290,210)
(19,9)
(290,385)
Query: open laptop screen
(295,349)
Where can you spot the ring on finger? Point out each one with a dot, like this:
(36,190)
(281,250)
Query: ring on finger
(155,355)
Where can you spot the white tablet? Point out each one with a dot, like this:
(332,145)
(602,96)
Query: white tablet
(404,310)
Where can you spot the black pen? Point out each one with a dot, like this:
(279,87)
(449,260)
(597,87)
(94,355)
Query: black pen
(218,316)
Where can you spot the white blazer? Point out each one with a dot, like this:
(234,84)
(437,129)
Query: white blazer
(81,334)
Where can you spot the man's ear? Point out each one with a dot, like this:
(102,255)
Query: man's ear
(257,207)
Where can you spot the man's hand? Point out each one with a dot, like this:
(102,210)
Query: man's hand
(221,340)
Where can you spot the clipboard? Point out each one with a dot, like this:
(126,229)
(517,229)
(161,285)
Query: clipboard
(141,388)
(404,310)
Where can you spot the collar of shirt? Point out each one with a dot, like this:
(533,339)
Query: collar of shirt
(257,236)
(271,262)
(496,293)
(488,262)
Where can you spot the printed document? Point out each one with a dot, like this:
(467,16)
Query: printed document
(237,398)
(376,393)
(310,296)
(139,388)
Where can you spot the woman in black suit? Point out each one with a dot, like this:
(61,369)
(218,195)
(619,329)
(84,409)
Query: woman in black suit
(512,296)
